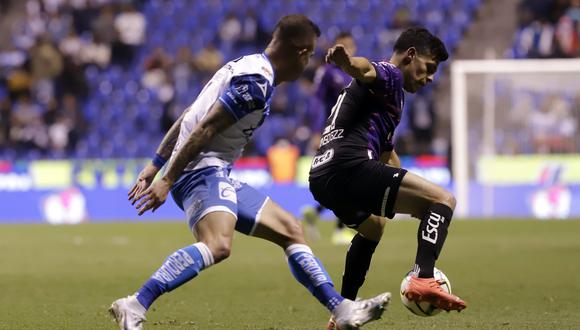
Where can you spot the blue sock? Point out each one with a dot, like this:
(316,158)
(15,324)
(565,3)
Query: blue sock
(180,267)
(308,270)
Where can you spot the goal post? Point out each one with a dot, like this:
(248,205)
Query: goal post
(488,98)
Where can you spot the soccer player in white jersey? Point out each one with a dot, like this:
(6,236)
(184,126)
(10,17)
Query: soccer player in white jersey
(208,137)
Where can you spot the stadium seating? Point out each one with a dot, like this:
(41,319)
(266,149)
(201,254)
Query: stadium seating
(124,117)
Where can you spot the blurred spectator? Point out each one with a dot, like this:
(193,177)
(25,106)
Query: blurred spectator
(27,129)
(230,31)
(19,82)
(182,70)
(208,60)
(25,32)
(73,80)
(5,107)
(46,64)
(156,76)
(130,25)
(552,126)
(11,58)
(83,13)
(252,33)
(282,158)
(535,40)
(58,25)
(96,52)
(71,46)
(421,114)
(576,115)
(401,21)
(57,127)
(568,31)
(103,26)
(547,28)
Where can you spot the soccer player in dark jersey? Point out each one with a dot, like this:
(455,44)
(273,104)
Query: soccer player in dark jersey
(330,80)
(356,173)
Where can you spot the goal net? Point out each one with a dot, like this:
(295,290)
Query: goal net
(516,138)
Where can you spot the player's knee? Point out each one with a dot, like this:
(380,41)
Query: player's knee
(294,231)
(447,198)
(372,228)
(220,250)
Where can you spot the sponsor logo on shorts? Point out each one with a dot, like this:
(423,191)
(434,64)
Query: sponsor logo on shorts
(431,232)
(323,159)
(227,192)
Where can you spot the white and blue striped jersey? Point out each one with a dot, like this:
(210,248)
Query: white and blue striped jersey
(244,86)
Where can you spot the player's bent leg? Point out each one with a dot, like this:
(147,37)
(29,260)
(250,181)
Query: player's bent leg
(359,255)
(372,228)
(280,227)
(416,195)
(434,206)
(214,232)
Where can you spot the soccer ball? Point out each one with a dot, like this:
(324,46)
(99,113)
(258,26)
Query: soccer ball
(424,308)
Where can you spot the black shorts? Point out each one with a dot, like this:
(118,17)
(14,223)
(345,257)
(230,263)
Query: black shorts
(355,193)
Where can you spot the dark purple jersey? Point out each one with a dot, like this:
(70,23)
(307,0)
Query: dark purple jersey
(362,121)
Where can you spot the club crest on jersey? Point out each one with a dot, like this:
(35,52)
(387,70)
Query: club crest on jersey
(242,88)
(227,192)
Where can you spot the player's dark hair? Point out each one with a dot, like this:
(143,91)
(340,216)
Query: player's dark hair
(342,35)
(423,41)
(295,28)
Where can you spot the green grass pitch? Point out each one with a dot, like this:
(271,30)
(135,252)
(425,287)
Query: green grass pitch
(513,274)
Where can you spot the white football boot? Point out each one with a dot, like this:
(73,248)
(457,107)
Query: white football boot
(128,313)
(349,315)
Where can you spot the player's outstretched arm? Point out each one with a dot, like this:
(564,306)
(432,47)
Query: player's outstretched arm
(164,150)
(217,120)
(359,68)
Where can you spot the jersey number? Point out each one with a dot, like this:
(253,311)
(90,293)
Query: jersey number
(334,114)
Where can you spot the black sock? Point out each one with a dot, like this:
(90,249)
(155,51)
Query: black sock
(431,237)
(358,261)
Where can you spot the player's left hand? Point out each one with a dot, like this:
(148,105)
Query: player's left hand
(154,196)
(338,55)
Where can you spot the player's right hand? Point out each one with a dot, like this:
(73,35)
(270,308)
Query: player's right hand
(144,180)
(338,55)
(154,196)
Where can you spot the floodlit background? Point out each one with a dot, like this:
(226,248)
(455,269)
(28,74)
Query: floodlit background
(88,88)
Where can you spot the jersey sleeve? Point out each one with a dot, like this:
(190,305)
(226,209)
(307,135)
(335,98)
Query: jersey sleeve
(389,78)
(246,94)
